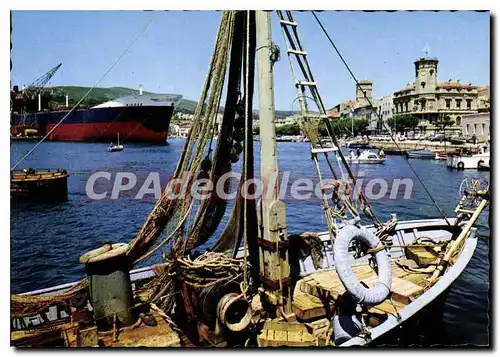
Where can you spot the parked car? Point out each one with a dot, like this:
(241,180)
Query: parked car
(438,137)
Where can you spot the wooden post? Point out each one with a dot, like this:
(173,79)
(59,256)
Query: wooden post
(457,242)
(274,267)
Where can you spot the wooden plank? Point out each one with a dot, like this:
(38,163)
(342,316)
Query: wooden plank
(320,329)
(405,286)
(307,307)
(160,335)
(279,333)
(421,255)
(387,307)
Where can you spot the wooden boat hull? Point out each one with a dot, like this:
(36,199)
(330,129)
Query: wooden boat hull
(411,314)
(39,186)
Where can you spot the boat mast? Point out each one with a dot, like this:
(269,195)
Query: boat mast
(273,250)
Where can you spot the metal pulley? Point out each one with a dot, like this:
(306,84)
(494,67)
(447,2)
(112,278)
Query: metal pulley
(234,312)
(239,122)
(108,273)
(238,136)
(237,148)
(206,164)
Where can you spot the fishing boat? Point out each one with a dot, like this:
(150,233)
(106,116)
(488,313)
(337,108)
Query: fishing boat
(420,154)
(366,157)
(257,284)
(117,147)
(474,161)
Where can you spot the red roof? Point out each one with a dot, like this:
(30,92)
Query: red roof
(455,85)
(333,115)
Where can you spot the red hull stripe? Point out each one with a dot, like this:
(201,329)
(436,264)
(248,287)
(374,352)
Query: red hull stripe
(129,131)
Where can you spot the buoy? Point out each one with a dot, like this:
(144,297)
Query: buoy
(368,296)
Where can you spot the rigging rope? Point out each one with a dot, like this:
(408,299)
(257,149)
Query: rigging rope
(305,68)
(380,118)
(86,94)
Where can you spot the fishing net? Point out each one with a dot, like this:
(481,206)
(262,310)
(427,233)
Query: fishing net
(31,305)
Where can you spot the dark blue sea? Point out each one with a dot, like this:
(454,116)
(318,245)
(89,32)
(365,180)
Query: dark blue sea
(47,239)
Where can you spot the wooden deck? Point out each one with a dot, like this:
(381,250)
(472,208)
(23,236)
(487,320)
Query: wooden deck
(316,295)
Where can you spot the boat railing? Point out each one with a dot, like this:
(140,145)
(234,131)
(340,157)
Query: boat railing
(25,173)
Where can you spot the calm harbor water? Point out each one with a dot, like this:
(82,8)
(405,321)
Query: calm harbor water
(46,240)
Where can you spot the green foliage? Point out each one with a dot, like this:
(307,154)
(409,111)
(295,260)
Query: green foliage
(403,123)
(346,126)
(443,121)
(288,129)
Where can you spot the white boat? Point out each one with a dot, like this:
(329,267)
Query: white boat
(117,147)
(475,161)
(366,157)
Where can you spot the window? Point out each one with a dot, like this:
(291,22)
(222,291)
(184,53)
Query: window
(469,104)
(483,127)
(467,129)
(422,84)
(406,106)
(431,72)
(476,129)
(458,121)
(448,103)
(459,103)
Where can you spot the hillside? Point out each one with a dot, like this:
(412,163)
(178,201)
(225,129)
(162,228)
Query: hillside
(100,95)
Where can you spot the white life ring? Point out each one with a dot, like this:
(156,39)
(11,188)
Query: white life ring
(381,289)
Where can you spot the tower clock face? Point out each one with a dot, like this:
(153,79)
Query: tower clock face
(422,73)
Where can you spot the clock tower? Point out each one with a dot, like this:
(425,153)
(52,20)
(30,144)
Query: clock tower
(426,75)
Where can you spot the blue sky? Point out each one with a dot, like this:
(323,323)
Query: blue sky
(172,55)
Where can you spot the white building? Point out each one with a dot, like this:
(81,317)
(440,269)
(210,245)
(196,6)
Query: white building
(476,124)
(384,107)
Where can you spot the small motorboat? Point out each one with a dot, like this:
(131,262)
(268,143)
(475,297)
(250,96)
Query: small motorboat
(365,157)
(112,147)
(420,154)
